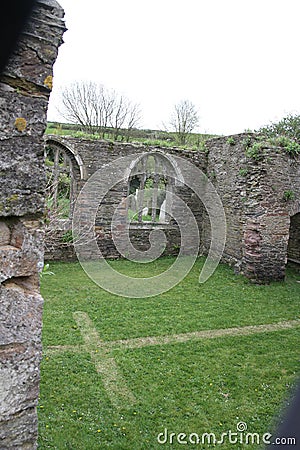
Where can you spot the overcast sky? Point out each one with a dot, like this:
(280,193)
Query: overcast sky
(236,60)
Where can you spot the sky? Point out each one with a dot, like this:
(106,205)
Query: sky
(237,61)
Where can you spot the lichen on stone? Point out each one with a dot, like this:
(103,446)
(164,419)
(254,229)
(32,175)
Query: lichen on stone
(48,82)
(20,124)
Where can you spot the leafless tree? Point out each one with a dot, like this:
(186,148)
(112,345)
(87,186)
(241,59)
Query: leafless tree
(79,104)
(133,118)
(120,112)
(125,117)
(96,108)
(184,120)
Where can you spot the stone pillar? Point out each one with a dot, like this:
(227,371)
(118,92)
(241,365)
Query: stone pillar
(267,219)
(25,86)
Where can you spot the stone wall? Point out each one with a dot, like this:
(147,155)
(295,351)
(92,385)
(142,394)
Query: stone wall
(294,241)
(259,187)
(258,184)
(24,91)
(98,154)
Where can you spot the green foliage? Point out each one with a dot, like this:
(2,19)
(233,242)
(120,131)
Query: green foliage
(255,151)
(202,146)
(231,140)
(46,271)
(247,141)
(289,145)
(293,148)
(243,172)
(63,206)
(67,237)
(285,134)
(288,195)
(153,138)
(279,141)
(289,126)
(133,217)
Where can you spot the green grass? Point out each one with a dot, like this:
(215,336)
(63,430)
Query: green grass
(177,386)
(195,141)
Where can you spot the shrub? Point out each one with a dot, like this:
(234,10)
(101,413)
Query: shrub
(255,151)
(231,140)
(288,195)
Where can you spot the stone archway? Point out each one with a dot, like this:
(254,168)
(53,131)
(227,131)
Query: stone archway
(293,250)
(151,182)
(65,171)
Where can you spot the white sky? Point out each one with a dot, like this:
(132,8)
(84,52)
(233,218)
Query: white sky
(236,60)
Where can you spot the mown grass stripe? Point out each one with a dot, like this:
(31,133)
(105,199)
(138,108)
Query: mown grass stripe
(113,381)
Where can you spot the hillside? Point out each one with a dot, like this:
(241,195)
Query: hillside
(146,137)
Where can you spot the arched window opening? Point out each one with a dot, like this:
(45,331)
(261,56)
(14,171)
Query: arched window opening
(293,252)
(148,190)
(60,183)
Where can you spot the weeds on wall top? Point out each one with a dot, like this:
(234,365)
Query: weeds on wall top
(289,145)
(255,151)
(231,140)
(284,134)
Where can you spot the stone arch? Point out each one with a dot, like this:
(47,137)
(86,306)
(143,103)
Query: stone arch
(151,180)
(166,157)
(73,166)
(293,248)
(70,151)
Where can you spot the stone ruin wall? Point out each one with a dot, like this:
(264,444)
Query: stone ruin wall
(24,91)
(98,154)
(252,191)
(258,212)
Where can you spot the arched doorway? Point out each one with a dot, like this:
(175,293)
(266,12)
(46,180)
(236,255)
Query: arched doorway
(293,251)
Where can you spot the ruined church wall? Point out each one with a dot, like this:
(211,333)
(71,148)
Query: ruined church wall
(98,154)
(226,158)
(258,184)
(24,91)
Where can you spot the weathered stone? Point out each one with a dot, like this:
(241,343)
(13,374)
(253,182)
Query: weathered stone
(251,191)
(19,431)
(294,241)
(24,91)
(21,311)
(19,378)
(4,234)
(24,255)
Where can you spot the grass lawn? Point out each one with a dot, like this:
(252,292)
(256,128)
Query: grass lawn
(102,392)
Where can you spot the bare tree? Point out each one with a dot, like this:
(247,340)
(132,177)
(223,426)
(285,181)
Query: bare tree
(106,107)
(125,116)
(79,103)
(133,118)
(120,112)
(184,120)
(94,107)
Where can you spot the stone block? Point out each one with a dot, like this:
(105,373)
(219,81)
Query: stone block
(21,311)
